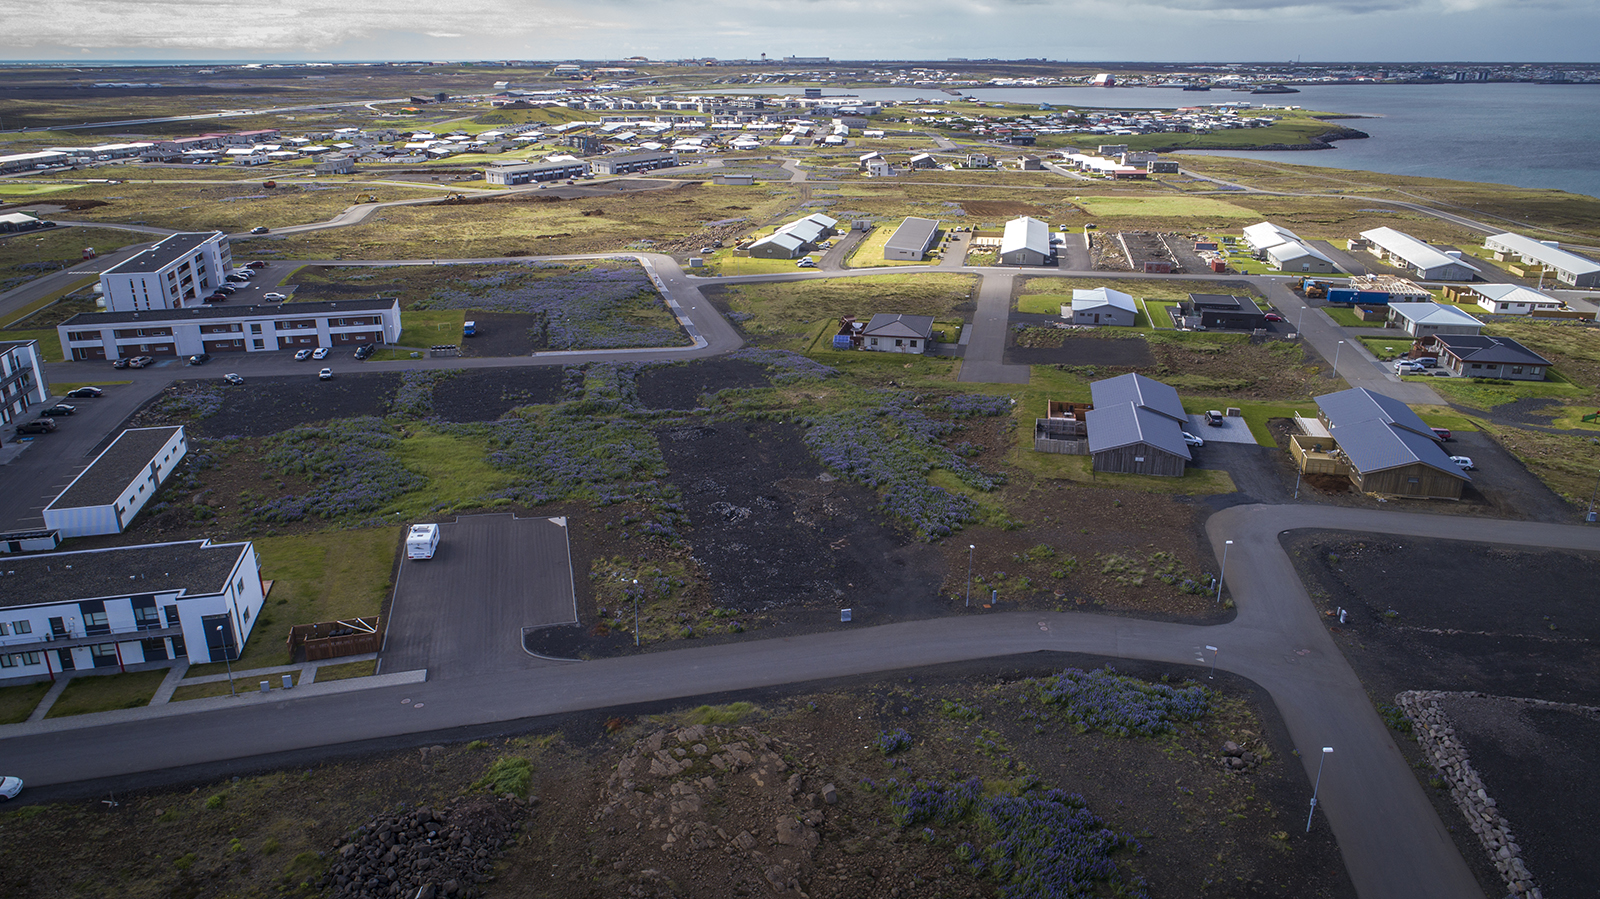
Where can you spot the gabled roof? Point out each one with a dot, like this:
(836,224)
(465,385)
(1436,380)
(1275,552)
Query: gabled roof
(1125,424)
(895,324)
(1141,391)
(1361,404)
(1491,350)
(1433,314)
(1083,300)
(1265,234)
(1413,251)
(1026,233)
(787,240)
(1514,293)
(1555,257)
(914,235)
(1294,249)
(1376,432)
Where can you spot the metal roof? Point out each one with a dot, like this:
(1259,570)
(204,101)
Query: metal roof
(1141,391)
(1265,234)
(1026,233)
(1413,251)
(1433,314)
(1361,404)
(1102,296)
(1376,432)
(1125,424)
(1555,257)
(895,324)
(1493,350)
(914,235)
(1513,293)
(1294,249)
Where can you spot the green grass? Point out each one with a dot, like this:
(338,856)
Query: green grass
(17,703)
(32,189)
(732,713)
(346,670)
(1386,348)
(103,693)
(422,328)
(1346,316)
(241,685)
(788,315)
(456,470)
(1487,396)
(49,342)
(1566,463)
(316,577)
(1164,207)
(869,252)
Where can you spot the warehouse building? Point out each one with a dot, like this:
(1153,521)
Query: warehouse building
(22,380)
(629,163)
(1568,268)
(1294,256)
(1026,241)
(513,174)
(794,239)
(176,273)
(1403,251)
(109,608)
(912,240)
(1136,427)
(1101,306)
(220,329)
(107,495)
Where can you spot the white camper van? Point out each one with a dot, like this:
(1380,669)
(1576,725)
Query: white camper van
(422,541)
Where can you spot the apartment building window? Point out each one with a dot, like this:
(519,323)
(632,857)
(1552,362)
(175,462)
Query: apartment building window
(22,627)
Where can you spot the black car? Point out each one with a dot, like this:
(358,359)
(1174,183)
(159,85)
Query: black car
(199,358)
(84,393)
(58,409)
(37,426)
(365,350)
(226,288)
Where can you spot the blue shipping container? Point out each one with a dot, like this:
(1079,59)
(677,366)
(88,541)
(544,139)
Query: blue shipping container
(1360,297)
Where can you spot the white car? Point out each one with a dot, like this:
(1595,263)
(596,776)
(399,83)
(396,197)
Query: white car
(1193,439)
(1404,366)
(10,787)
(274,297)
(326,374)
(1464,463)
(302,355)
(320,352)
(806,263)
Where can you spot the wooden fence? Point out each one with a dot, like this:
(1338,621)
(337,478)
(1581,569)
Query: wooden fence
(332,639)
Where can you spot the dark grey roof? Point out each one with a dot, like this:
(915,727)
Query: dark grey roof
(1140,391)
(1125,424)
(269,310)
(1376,432)
(1224,302)
(115,468)
(197,567)
(164,253)
(1493,350)
(895,324)
(536,166)
(913,235)
(1360,404)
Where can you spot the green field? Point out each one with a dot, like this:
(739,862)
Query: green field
(103,693)
(869,253)
(788,315)
(32,188)
(1164,207)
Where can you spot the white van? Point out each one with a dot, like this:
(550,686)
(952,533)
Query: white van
(422,541)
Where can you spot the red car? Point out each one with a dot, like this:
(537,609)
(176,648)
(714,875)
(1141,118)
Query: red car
(1274,317)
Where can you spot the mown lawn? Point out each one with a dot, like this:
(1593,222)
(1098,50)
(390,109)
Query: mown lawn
(103,693)
(17,703)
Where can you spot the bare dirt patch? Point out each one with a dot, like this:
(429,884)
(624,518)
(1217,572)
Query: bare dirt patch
(485,394)
(681,386)
(268,405)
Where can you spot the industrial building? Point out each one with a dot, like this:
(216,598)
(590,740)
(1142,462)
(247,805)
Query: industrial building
(912,240)
(1026,241)
(109,608)
(178,272)
(1423,320)
(1567,268)
(511,175)
(220,329)
(1136,427)
(1101,306)
(629,163)
(107,495)
(1379,444)
(22,381)
(795,239)
(1403,251)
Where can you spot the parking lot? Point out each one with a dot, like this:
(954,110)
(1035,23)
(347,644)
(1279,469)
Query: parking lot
(463,612)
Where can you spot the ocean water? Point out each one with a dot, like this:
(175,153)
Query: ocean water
(1527,135)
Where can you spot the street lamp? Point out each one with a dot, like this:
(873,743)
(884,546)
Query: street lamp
(1314,789)
(1336,351)
(1224,572)
(222,641)
(973,546)
(636,612)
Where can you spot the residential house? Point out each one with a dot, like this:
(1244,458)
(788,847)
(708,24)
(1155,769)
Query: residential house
(1136,427)
(1568,268)
(1483,356)
(1101,306)
(1403,251)
(1381,445)
(1424,320)
(893,332)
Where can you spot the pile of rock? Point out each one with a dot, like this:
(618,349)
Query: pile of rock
(1438,741)
(426,854)
(1238,758)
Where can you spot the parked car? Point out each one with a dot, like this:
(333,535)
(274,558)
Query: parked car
(84,393)
(121,363)
(258,230)
(256,264)
(37,426)
(10,787)
(227,288)
(1406,366)
(141,361)
(320,352)
(274,297)
(58,409)
(232,378)
(1193,439)
(1214,418)
(326,374)
(1427,361)
(199,358)
(302,355)
(1441,433)
(365,350)
(1464,463)
(216,298)
(237,278)
(1274,317)
(806,263)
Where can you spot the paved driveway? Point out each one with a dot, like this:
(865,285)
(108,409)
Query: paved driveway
(1232,430)
(463,611)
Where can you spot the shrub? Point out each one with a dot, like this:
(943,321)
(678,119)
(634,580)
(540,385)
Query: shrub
(217,801)
(348,464)
(1122,706)
(892,741)
(509,774)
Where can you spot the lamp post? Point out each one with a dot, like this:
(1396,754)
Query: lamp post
(1314,789)
(1336,351)
(636,612)
(1224,572)
(222,641)
(973,546)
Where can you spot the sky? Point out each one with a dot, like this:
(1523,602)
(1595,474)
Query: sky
(1073,30)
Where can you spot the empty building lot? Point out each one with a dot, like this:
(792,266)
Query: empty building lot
(463,612)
